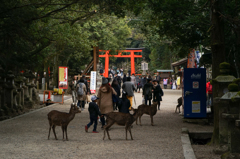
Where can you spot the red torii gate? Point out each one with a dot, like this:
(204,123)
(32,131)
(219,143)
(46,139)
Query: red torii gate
(132,56)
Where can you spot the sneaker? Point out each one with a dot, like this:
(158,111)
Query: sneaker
(94,131)
(86,128)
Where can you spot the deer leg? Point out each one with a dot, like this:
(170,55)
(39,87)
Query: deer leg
(106,127)
(151,120)
(140,120)
(129,129)
(66,133)
(62,131)
(104,134)
(126,128)
(108,134)
(49,130)
(136,121)
(53,127)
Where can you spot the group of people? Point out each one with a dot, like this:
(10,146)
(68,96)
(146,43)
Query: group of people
(108,97)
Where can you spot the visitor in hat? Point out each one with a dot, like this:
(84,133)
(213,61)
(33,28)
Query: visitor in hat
(93,113)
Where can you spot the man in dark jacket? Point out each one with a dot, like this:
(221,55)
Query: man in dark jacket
(147,91)
(157,93)
(124,78)
(93,112)
(144,81)
(124,103)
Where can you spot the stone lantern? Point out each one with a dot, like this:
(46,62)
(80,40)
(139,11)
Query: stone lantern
(3,108)
(20,88)
(221,83)
(232,116)
(10,91)
(144,66)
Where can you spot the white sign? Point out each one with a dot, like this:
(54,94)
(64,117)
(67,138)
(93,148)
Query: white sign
(196,107)
(93,82)
(144,66)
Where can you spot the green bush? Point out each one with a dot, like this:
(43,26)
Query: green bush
(224,65)
(233,87)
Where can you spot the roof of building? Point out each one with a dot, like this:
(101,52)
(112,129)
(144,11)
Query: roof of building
(179,62)
(164,70)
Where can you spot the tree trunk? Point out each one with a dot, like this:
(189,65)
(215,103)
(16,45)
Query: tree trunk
(218,55)
(55,72)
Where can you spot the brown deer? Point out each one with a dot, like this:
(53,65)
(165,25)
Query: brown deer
(62,119)
(122,119)
(146,109)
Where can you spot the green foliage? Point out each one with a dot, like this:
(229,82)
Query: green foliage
(233,87)
(224,65)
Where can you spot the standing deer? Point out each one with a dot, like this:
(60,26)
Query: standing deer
(146,109)
(62,119)
(122,119)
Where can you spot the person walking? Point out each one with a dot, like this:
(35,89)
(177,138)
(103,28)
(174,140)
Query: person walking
(144,81)
(119,79)
(105,101)
(117,88)
(121,71)
(157,93)
(209,93)
(133,80)
(147,91)
(86,84)
(73,85)
(129,88)
(158,78)
(124,78)
(178,82)
(124,103)
(165,81)
(139,84)
(93,114)
(174,84)
(81,93)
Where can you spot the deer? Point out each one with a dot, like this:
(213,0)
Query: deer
(179,104)
(146,109)
(122,119)
(57,118)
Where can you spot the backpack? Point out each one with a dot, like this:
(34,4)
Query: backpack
(80,89)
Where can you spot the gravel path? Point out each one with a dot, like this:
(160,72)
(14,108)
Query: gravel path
(26,136)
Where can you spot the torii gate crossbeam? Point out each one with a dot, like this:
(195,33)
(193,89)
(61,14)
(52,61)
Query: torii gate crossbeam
(132,56)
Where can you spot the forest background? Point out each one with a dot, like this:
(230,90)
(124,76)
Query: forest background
(37,34)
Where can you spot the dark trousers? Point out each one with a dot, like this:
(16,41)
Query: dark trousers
(102,120)
(82,104)
(146,99)
(93,119)
(165,86)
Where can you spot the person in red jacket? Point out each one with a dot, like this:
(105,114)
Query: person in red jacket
(209,93)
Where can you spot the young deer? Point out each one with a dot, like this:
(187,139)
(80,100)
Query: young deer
(146,109)
(62,119)
(179,104)
(122,119)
